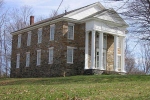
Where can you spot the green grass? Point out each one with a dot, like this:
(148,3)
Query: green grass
(96,87)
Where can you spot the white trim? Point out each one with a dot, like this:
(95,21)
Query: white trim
(101,46)
(122,55)
(86,50)
(38,61)
(27,59)
(18,61)
(72,25)
(93,50)
(71,48)
(52,27)
(50,61)
(116,53)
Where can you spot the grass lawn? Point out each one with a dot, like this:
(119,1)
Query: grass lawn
(96,87)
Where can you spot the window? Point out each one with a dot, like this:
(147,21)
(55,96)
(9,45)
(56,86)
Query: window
(119,61)
(27,59)
(105,41)
(52,32)
(38,57)
(71,31)
(70,54)
(18,61)
(119,42)
(29,39)
(51,53)
(39,35)
(19,40)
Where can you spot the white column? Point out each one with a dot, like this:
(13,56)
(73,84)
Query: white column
(93,50)
(116,53)
(101,67)
(86,49)
(122,54)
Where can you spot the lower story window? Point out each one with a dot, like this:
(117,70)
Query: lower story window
(18,61)
(70,55)
(119,61)
(38,57)
(51,53)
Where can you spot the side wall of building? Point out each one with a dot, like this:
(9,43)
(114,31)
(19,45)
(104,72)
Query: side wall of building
(60,43)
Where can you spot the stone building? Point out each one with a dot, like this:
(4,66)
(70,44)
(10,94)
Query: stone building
(87,40)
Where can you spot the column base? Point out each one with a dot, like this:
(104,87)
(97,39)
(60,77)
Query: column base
(93,72)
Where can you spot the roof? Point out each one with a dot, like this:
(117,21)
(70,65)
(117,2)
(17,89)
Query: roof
(80,14)
(56,17)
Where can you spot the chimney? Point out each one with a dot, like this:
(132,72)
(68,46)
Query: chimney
(31,20)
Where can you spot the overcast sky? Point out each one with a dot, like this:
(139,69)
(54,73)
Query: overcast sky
(44,7)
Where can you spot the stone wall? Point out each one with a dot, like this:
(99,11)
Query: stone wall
(110,53)
(60,43)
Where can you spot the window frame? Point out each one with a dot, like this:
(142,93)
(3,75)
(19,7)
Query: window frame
(119,42)
(27,59)
(18,61)
(38,61)
(52,27)
(29,38)
(68,36)
(119,62)
(19,41)
(72,56)
(49,55)
(39,35)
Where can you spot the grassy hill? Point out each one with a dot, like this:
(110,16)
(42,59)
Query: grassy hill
(96,87)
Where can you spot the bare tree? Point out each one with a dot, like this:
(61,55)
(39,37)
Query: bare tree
(138,13)
(129,59)
(19,18)
(145,57)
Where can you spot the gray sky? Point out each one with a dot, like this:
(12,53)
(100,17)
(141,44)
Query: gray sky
(44,7)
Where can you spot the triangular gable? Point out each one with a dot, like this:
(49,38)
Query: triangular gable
(110,15)
(85,11)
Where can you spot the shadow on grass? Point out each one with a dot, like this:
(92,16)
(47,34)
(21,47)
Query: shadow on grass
(74,80)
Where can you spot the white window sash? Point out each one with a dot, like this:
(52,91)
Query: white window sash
(71,31)
(27,59)
(29,39)
(40,35)
(70,51)
(38,57)
(19,40)
(51,55)
(18,61)
(119,61)
(52,32)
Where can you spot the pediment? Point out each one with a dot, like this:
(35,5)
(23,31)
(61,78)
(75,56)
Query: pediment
(111,16)
(85,11)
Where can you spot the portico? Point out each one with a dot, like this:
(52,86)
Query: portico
(97,48)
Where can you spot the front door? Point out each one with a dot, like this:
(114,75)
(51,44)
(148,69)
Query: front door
(104,59)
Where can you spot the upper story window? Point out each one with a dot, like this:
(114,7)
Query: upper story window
(105,41)
(19,40)
(18,61)
(29,39)
(27,59)
(40,35)
(70,54)
(71,31)
(119,42)
(51,54)
(52,32)
(38,57)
